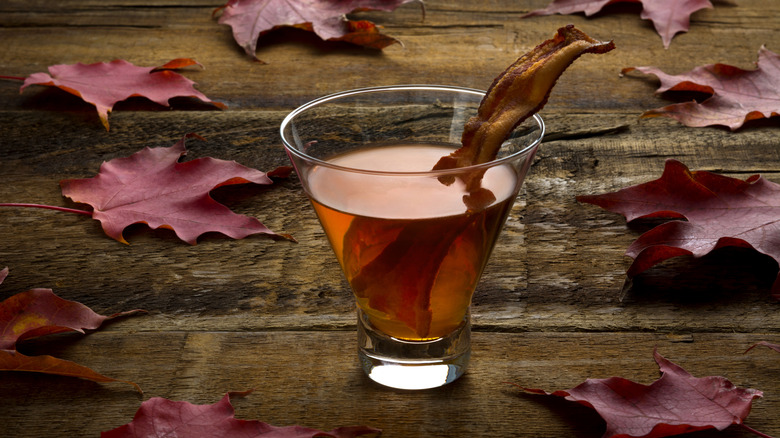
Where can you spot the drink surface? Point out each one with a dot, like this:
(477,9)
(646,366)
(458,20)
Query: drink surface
(409,248)
(398,196)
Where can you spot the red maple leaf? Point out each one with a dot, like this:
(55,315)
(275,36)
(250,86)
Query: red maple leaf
(737,95)
(669,17)
(159,417)
(674,404)
(711,211)
(154,188)
(250,19)
(39,312)
(104,84)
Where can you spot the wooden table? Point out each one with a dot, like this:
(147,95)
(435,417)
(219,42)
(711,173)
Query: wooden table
(277,317)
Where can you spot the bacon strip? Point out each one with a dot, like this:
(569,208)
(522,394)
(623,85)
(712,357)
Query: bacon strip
(517,93)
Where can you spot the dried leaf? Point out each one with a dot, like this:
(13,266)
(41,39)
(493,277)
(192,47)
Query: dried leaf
(669,17)
(104,84)
(674,404)
(39,312)
(153,188)
(159,417)
(737,95)
(709,211)
(11,360)
(250,19)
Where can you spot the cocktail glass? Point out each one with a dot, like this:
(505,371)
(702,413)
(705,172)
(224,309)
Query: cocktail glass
(409,243)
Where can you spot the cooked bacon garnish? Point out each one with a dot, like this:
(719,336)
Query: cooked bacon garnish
(517,93)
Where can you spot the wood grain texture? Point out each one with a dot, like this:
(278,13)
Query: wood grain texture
(278,317)
(312,378)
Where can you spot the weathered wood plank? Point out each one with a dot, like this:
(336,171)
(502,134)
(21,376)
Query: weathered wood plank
(492,33)
(314,379)
(556,256)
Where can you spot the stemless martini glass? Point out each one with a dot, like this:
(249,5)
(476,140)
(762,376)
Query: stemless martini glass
(411,249)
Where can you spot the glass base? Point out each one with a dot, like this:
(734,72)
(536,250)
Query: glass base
(403,364)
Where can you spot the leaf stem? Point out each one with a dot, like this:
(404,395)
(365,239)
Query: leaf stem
(751,430)
(16,78)
(50,207)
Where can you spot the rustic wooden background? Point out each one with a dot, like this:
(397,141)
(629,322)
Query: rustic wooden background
(277,316)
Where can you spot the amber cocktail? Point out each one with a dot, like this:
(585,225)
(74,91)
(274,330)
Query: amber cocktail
(409,242)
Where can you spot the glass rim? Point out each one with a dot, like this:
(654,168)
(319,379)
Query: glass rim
(409,87)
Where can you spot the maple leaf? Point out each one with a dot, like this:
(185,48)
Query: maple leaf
(669,17)
(104,84)
(676,403)
(39,312)
(250,19)
(160,417)
(737,95)
(152,187)
(710,211)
